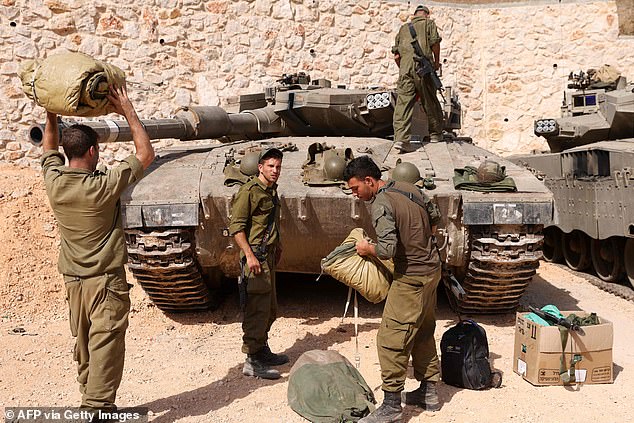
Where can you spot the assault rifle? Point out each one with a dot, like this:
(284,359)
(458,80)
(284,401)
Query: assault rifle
(554,319)
(423,65)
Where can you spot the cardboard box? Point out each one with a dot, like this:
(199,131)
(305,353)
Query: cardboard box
(537,351)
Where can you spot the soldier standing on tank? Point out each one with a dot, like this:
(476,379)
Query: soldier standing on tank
(255,220)
(410,84)
(85,201)
(404,229)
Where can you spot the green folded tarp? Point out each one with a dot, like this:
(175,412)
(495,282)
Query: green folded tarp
(70,84)
(467,179)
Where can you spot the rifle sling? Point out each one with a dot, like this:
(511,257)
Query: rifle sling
(260,251)
(417,48)
(409,195)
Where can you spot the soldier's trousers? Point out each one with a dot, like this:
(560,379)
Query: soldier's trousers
(410,84)
(260,309)
(99,307)
(407,328)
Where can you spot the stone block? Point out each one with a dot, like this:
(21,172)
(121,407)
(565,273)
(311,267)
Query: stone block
(9,68)
(13,146)
(62,24)
(25,49)
(282,9)
(217,7)
(7,135)
(11,156)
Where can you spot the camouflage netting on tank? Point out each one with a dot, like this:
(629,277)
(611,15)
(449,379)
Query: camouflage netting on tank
(70,84)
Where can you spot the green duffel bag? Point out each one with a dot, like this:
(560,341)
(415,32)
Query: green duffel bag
(70,84)
(324,387)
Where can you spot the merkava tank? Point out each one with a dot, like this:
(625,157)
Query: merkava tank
(176,217)
(590,170)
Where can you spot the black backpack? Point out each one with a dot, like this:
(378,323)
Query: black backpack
(465,357)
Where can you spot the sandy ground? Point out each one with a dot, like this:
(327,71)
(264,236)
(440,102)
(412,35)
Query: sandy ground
(187,367)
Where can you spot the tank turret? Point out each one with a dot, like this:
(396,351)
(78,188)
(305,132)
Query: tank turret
(590,112)
(590,170)
(286,109)
(176,218)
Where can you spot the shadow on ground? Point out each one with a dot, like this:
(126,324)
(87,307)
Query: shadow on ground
(213,396)
(298,295)
(301,297)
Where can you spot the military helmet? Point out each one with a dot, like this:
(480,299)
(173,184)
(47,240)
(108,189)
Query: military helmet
(490,171)
(406,172)
(334,166)
(249,163)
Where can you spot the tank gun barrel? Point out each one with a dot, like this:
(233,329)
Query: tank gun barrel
(189,123)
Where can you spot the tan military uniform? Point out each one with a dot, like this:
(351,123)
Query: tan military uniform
(252,207)
(407,327)
(410,84)
(87,208)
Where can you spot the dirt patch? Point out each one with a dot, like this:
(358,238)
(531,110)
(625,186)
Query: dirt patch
(187,367)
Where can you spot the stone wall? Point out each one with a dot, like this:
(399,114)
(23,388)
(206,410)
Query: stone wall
(508,61)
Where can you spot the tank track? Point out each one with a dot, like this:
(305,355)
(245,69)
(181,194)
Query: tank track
(619,290)
(162,261)
(501,267)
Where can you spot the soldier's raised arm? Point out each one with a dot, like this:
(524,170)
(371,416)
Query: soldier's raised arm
(144,151)
(50,139)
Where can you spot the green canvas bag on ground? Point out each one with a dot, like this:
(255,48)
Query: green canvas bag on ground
(324,387)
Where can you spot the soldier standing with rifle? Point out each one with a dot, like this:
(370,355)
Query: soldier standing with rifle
(417,44)
(86,204)
(255,220)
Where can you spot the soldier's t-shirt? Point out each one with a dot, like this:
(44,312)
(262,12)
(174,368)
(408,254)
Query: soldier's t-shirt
(87,208)
(251,209)
(403,229)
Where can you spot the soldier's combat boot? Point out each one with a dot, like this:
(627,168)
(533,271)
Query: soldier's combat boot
(389,412)
(405,147)
(256,368)
(269,358)
(435,137)
(425,397)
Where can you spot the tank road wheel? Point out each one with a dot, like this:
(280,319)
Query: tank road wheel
(552,245)
(628,259)
(576,248)
(607,259)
